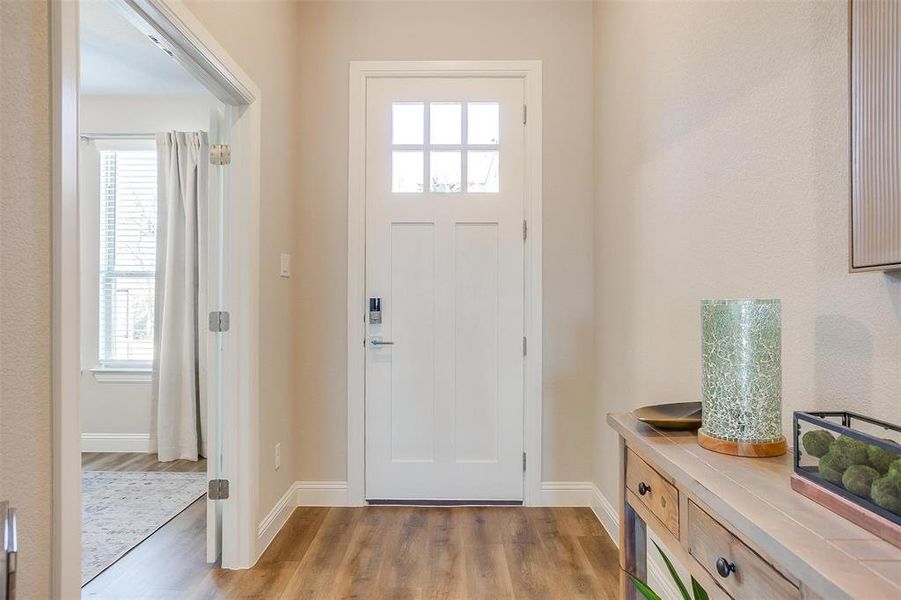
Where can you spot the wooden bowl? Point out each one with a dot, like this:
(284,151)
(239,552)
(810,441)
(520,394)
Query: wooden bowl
(675,415)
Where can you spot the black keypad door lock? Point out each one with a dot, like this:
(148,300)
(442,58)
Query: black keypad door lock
(375,311)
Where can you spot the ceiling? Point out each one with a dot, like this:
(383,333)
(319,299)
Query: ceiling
(119,60)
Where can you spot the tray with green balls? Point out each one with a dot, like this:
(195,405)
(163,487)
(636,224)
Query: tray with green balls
(853,456)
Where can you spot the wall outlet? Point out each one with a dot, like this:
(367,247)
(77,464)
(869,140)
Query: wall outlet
(278,456)
(284,265)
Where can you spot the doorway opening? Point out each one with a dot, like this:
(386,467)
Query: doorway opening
(154,266)
(148,261)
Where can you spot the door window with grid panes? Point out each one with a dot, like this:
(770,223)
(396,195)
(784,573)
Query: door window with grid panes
(454,146)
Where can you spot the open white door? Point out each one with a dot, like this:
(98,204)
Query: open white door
(221,124)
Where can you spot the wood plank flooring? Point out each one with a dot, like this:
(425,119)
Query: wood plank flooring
(177,549)
(378,552)
(137,461)
(384,552)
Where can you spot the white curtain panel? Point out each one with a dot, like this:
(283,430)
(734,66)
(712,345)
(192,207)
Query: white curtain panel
(179,411)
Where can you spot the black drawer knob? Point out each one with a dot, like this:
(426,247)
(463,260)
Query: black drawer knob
(643,488)
(724,567)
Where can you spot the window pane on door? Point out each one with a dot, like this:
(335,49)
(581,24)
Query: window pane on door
(407,122)
(445,123)
(445,171)
(483,123)
(406,171)
(482,171)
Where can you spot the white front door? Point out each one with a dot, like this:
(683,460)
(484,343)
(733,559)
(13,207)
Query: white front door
(444,256)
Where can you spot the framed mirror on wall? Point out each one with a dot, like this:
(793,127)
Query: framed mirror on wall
(875,127)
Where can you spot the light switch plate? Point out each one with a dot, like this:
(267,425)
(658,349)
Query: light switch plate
(284,269)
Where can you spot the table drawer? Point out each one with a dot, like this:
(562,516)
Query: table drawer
(752,577)
(659,495)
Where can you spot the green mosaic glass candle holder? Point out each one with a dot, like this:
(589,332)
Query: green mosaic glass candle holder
(741,345)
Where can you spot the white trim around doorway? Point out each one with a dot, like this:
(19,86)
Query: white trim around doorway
(360,73)
(195,47)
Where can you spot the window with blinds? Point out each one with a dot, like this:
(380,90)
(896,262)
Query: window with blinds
(127,256)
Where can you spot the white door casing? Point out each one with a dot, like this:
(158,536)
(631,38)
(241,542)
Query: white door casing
(196,49)
(444,401)
(361,73)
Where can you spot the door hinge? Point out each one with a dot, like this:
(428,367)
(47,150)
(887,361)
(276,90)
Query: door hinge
(525,346)
(525,114)
(218,489)
(525,229)
(219,321)
(220,154)
(523,462)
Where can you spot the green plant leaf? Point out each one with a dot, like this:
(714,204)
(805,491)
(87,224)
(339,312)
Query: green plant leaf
(643,588)
(672,573)
(699,592)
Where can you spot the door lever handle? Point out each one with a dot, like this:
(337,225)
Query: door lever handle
(380,342)
(9,551)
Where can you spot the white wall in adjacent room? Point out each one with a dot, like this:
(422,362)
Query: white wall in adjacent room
(116,416)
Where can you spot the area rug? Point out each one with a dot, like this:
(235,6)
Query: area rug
(120,509)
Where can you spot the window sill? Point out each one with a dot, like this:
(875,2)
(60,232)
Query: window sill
(121,375)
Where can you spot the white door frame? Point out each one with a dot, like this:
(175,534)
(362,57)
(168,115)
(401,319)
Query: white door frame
(360,72)
(198,50)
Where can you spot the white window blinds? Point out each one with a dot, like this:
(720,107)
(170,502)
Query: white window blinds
(128,203)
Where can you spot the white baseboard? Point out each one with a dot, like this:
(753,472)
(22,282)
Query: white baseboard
(606,513)
(322,493)
(276,519)
(299,493)
(566,493)
(115,442)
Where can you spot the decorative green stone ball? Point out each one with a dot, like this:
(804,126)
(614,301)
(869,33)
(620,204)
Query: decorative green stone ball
(858,479)
(849,451)
(832,467)
(817,442)
(894,471)
(880,458)
(887,494)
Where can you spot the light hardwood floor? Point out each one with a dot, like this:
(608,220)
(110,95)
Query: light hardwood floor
(374,552)
(186,532)
(384,552)
(136,461)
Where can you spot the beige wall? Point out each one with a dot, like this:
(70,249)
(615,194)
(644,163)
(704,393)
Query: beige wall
(334,33)
(722,171)
(25,446)
(262,38)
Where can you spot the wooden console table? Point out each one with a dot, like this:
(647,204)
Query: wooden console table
(737,525)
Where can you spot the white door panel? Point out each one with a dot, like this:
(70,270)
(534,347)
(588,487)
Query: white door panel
(444,252)
(412,364)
